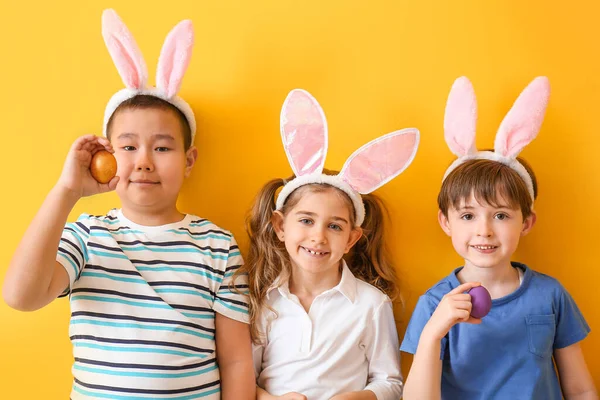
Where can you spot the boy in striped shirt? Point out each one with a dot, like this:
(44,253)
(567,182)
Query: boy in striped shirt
(154,314)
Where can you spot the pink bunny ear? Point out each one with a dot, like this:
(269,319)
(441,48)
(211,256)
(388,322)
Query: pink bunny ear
(380,160)
(524,120)
(175,58)
(124,51)
(304,132)
(461,118)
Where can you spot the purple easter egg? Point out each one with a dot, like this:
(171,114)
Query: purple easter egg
(481,302)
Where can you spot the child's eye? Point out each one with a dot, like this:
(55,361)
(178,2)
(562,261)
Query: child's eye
(467,217)
(335,227)
(162,149)
(128,148)
(501,216)
(306,221)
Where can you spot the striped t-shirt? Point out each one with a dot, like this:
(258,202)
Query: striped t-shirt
(143,302)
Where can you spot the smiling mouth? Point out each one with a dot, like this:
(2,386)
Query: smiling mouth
(144,182)
(487,247)
(314,252)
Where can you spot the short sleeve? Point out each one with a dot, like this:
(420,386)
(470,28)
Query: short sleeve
(72,249)
(421,314)
(231,299)
(571,326)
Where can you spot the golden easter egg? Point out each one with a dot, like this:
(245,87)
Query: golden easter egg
(103,166)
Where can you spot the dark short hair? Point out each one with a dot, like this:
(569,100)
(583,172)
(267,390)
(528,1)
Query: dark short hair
(144,101)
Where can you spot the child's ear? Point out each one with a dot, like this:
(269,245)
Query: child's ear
(277,222)
(528,223)
(190,159)
(444,223)
(355,235)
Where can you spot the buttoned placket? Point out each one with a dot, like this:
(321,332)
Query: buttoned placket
(308,319)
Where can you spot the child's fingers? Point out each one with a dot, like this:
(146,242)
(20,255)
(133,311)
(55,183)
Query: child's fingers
(82,141)
(106,145)
(463,305)
(107,187)
(461,297)
(101,144)
(112,185)
(96,148)
(472,320)
(463,288)
(461,315)
(292,396)
(88,143)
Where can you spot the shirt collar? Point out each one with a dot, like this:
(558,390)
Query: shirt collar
(347,286)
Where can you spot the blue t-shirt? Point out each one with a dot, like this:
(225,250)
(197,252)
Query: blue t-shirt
(508,355)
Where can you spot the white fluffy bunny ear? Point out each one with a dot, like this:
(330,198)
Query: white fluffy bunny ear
(304,133)
(124,51)
(460,118)
(175,58)
(524,120)
(380,160)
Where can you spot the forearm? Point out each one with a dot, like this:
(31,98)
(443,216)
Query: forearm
(360,395)
(32,266)
(575,379)
(588,395)
(237,381)
(425,375)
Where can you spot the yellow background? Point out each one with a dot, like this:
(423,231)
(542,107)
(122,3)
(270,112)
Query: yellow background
(375,66)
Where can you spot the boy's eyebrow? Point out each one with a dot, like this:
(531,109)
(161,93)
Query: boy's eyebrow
(127,136)
(158,136)
(312,214)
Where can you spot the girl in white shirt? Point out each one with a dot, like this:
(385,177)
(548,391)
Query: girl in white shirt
(321,283)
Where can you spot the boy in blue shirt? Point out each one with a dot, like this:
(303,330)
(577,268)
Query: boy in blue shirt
(485,206)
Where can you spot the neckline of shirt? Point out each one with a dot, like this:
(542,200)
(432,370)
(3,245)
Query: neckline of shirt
(524,282)
(153,229)
(346,286)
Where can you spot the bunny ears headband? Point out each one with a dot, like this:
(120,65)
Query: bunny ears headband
(520,126)
(172,64)
(304,136)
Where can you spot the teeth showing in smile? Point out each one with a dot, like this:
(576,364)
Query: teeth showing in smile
(485,247)
(317,253)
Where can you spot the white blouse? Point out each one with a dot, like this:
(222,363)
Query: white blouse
(346,342)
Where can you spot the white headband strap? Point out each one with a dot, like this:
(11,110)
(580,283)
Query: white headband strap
(489,155)
(332,180)
(125,94)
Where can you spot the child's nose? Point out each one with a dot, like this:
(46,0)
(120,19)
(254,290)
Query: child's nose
(318,235)
(144,162)
(484,228)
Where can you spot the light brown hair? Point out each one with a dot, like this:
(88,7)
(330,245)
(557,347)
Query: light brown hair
(267,257)
(490,182)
